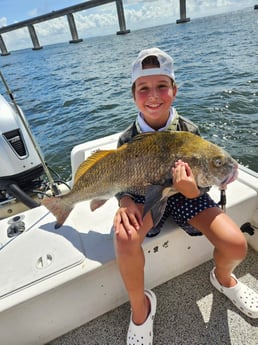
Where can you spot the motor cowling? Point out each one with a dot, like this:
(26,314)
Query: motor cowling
(19,161)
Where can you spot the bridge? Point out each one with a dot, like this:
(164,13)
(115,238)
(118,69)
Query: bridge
(68,12)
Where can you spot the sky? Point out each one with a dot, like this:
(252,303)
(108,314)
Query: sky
(101,20)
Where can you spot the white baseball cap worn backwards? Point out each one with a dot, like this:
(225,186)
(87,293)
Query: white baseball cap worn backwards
(165,62)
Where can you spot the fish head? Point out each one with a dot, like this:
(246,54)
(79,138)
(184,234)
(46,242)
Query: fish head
(216,167)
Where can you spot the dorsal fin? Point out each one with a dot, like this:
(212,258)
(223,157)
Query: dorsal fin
(89,162)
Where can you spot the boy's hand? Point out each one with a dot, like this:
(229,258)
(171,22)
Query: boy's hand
(128,217)
(184,181)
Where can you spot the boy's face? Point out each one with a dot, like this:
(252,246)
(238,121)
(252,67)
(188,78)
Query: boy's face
(153,96)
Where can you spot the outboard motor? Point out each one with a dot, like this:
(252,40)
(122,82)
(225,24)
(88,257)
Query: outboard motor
(20,165)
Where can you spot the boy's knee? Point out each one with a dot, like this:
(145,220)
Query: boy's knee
(242,247)
(238,248)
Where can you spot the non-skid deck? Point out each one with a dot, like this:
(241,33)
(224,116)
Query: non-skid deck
(189,312)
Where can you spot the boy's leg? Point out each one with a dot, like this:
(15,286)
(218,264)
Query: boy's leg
(228,240)
(131,261)
(230,249)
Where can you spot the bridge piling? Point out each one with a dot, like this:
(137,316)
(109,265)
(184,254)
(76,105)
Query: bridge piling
(121,18)
(73,29)
(34,37)
(4,51)
(183,18)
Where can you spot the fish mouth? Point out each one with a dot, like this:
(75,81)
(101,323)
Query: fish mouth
(230,178)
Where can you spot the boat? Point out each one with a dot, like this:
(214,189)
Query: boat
(55,280)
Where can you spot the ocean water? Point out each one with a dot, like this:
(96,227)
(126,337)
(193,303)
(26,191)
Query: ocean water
(72,93)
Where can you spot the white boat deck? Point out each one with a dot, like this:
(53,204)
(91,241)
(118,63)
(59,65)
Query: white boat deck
(53,281)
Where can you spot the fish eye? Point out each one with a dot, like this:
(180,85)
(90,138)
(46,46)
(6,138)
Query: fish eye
(217,162)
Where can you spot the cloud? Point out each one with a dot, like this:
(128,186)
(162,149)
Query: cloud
(3,21)
(17,39)
(201,7)
(33,13)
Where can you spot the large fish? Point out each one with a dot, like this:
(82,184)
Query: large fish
(143,167)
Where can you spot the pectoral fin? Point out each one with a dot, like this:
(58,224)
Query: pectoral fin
(96,203)
(156,201)
(153,196)
(158,210)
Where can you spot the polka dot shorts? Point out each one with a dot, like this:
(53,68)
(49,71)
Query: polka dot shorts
(182,210)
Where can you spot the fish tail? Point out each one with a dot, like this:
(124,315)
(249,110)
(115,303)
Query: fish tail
(59,209)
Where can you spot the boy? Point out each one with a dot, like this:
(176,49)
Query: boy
(154,91)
